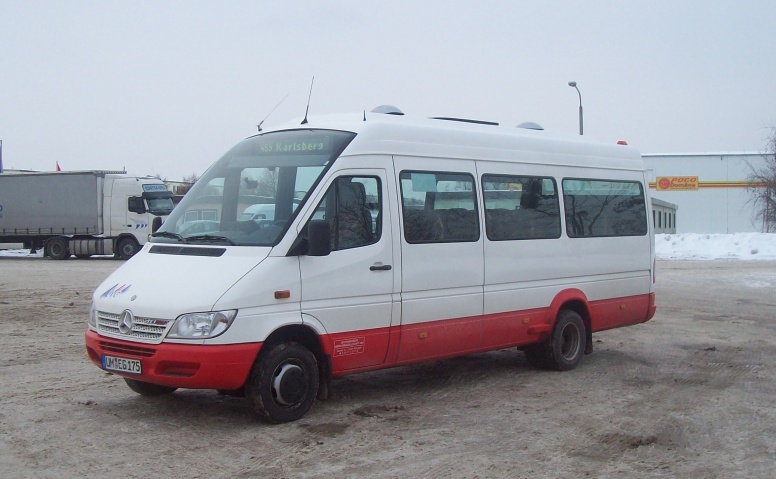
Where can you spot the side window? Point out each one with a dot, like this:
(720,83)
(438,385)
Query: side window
(135,204)
(520,207)
(596,208)
(439,207)
(353,207)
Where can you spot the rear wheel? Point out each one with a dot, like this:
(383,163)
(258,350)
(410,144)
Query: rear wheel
(58,248)
(536,355)
(563,350)
(148,389)
(283,382)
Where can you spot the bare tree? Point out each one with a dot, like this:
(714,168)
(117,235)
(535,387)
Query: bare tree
(267,184)
(188,183)
(762,187)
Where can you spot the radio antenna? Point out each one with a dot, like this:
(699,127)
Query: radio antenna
(271,111)
(304,122)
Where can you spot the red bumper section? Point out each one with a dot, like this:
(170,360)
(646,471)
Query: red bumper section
(179,365)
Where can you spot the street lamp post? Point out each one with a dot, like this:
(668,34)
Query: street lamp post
(574,84)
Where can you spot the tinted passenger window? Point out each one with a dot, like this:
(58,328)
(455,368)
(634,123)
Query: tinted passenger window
(439,207)
(604,208)
(353,207)
(520,207)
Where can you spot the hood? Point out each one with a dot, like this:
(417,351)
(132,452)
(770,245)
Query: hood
(173,280)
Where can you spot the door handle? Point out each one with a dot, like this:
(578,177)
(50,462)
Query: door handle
(383,267)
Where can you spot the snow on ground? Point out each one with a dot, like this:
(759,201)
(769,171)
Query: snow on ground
(686,246)
(698,246)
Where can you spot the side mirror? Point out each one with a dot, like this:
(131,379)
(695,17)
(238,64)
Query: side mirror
(319,238)
(156,223)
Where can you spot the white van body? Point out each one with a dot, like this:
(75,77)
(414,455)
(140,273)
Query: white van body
(393,240)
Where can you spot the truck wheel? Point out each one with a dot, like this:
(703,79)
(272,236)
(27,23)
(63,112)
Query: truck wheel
(57,248)
(126,248)
(148,389)
(283,383)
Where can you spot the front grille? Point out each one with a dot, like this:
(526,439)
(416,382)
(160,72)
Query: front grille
(127,349)
(148,330)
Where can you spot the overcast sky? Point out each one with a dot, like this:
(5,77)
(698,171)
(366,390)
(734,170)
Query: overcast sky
(166,87)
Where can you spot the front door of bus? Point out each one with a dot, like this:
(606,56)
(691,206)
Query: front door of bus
(350,291)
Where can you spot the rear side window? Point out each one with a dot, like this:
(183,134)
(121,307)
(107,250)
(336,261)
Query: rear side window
(520,207)
(596,208)
(439,207)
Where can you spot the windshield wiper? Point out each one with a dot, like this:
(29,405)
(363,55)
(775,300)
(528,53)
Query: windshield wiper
(166,234)
(210,238)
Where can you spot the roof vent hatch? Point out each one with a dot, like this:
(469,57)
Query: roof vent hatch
(388,110)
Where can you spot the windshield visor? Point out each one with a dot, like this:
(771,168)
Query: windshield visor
(251,195)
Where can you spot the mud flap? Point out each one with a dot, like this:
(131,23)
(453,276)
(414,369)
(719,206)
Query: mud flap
(588,340)
(324,385)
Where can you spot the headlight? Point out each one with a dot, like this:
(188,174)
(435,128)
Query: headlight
(201,325)
(92,316)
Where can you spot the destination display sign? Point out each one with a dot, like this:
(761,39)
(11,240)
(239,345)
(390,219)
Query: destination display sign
(295,147)
(676,183)
(154,188)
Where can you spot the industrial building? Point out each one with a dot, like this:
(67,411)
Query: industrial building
(708,192)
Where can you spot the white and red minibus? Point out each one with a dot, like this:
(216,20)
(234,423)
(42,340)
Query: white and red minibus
(383,240)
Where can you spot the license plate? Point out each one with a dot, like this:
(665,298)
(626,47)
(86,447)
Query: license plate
(123,365)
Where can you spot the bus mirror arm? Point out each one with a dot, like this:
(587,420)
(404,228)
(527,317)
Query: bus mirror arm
(319,238)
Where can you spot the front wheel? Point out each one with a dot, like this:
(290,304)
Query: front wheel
(148,389)
(283,383)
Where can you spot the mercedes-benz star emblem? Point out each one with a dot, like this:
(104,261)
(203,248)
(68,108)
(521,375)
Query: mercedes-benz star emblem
(126,322)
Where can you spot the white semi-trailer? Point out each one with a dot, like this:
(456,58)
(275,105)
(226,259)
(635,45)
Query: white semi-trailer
(81,213)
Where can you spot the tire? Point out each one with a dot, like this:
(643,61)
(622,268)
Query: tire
(283,383)
(127,248)
(565,347)
(58,248)
(148,389)
(567,343)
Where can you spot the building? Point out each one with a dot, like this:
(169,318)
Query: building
(708,189)
(663,216)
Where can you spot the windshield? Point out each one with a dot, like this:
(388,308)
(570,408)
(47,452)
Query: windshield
(159,206)
(250,196)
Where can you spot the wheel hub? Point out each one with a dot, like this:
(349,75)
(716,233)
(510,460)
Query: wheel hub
(289,385)
(570,342)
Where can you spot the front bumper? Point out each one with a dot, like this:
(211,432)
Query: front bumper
(224,367)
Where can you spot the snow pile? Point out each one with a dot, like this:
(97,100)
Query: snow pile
(697,246)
